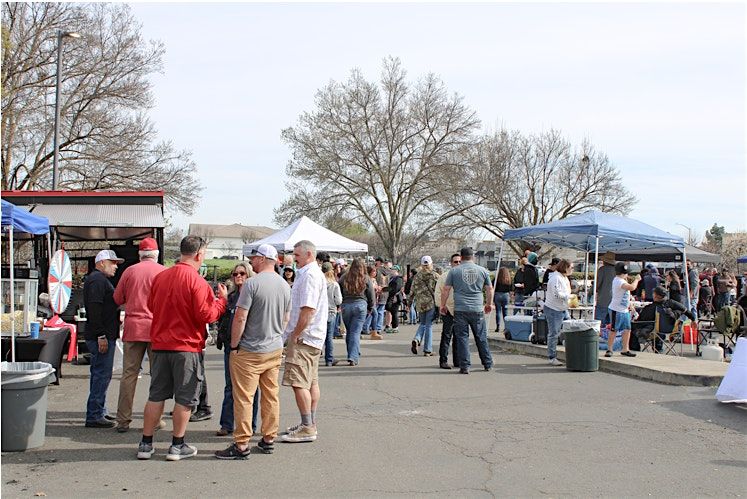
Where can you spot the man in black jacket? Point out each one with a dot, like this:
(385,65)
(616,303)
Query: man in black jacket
(669,311)
(102,331)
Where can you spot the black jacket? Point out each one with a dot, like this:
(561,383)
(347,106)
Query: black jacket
(669,310)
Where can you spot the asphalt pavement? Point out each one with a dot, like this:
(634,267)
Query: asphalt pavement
(398,426)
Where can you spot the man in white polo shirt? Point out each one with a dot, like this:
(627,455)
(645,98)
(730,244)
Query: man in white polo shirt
(305,335)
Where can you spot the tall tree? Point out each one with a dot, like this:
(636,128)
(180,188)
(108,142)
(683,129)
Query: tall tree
(519,180)
(382,155)
(107,141)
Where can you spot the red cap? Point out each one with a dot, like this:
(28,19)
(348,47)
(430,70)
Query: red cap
(148,244)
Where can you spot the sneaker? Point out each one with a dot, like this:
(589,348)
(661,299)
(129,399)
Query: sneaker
(266,447)
(160,426)
(387,330)
(183,451)
(293,428)
(463,371)
(627,354)
(444,365)
(123,429)
(427,354)
(100,423)
(394,330)
(608,353)
(145,451)
(300,434)
(232,452)
(555,362)
(414,347)
(201,415)
(487,369)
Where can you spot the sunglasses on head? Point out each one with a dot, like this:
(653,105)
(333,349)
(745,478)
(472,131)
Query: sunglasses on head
(236,274)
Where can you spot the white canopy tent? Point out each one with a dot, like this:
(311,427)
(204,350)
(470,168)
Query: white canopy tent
(305,228)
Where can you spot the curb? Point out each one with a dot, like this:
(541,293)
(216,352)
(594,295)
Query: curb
(615,367)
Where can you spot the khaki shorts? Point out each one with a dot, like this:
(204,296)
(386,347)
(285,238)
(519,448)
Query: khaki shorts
(301,366)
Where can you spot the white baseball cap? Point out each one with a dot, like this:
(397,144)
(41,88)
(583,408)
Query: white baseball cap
(266,251)
(108,255)
(426,260)
(341,261)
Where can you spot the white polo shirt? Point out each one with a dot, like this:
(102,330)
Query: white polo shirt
(309,290)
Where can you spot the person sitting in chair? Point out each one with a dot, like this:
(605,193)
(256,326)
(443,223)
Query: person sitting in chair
(669,312)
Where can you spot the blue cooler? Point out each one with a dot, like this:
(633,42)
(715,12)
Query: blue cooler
(519,327)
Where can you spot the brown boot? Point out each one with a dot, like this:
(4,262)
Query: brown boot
(375,335)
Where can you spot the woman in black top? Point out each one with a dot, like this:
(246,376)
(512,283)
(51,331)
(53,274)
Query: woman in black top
(501,298)
(675,288)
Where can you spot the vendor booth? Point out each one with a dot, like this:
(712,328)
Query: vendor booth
(306,229)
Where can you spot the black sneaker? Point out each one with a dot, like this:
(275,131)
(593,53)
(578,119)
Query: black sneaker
(608,353)
(100,423)
(488,368)
(414,347)
(201,415)
(627,354)
(266,447)
(463,371)
(444,365)
(232,452)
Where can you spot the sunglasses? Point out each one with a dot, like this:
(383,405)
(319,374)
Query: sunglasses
(236,274)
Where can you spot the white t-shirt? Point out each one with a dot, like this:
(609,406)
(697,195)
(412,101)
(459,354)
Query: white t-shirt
(620,296)
(309,290)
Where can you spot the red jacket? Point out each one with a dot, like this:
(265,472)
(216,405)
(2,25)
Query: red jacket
(182,303)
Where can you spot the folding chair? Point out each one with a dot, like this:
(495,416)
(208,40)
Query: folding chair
(644,331)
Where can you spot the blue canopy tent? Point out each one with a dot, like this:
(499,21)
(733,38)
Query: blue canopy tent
(595,231)
(18,220)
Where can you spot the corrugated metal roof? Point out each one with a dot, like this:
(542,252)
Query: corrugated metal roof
(86,215)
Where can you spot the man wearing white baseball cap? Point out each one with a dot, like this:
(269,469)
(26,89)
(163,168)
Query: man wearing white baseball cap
(102,331)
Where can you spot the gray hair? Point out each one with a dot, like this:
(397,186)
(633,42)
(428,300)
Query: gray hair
(306,246)
(148,254)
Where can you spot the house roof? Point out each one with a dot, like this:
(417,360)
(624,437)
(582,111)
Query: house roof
(231,231)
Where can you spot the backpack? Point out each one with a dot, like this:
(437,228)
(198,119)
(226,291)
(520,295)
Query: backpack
(727,320)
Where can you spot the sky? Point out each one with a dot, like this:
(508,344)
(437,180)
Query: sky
(659,87)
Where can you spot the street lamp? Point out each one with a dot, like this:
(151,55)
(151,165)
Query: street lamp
(689,232)
(60,36)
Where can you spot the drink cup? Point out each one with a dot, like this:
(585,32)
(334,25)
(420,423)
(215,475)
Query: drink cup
(34,327)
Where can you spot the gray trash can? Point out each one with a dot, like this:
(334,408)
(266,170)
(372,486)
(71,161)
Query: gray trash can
(24,404)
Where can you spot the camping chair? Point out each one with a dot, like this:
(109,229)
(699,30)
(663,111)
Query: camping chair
(730,323)
(644,332)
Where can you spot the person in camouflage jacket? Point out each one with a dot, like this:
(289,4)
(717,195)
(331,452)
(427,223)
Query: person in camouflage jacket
(423,293)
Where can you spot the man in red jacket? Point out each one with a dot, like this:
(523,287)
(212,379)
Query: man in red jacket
(182,303)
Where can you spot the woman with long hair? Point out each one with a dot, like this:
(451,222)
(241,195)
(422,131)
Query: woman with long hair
(369,324)
(240,273)
(502,296)
(675,287)
(556,307)
(423,293)
(334,299)
(357,301)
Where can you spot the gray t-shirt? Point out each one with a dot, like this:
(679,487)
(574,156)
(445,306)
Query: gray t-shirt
(467,281)
(267,298)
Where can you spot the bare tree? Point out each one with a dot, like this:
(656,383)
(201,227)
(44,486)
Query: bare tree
(106,140)
(248,236)
(380,155)
(519,180)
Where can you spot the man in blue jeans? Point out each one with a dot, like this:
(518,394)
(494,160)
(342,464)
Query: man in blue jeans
(102,331)
(470,306)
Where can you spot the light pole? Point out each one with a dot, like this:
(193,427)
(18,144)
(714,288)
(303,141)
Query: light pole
(60,36)
(689,232)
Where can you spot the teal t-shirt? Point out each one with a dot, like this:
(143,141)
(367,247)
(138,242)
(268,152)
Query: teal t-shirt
(467,282)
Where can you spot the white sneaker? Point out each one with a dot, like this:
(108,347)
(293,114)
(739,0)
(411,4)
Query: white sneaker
(555,362)
(301,434)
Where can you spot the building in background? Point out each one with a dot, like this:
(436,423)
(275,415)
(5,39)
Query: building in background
(228,240)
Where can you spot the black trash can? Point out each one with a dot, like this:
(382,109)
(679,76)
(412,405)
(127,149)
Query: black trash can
(581,347)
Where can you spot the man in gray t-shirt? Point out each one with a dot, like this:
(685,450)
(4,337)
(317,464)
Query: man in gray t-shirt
(468,281)
(256,353)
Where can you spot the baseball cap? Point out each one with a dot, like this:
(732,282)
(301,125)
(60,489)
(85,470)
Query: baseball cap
(326,267)
(555,260)
(465,252)
(426,260)
(108,255)
(341,261)
(148,244)
(621,268)
(266,251)
(397,268)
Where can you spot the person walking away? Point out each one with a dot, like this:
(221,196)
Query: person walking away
(370,323)
(410,305)
(447,319)
(133,292)
(620,309)
(394,299)
(693,281)
(241,272)
(183,304)
(550,269)
(423,292)
(382,279)
(531,276)
(675,287)
(101,335)
(502,296)
(556,307)
(334,300)
(256,347)
(469,282)
(605,276)
(357,300)
(304,336)
(519,285)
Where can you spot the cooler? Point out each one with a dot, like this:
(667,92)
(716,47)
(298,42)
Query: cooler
(518,327)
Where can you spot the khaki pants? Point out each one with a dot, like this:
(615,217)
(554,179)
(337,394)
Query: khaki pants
(249,369)
(132,359)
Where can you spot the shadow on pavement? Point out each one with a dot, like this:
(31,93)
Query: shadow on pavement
(712,411)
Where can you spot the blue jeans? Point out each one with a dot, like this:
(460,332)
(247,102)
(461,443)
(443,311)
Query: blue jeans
(101,375)
(338,319)
(554,323)
(379,324)
(501,303)
(226,411)
(413,314)
(353,315)
(463,322)
(425,330)
(328,344)
(370,323)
